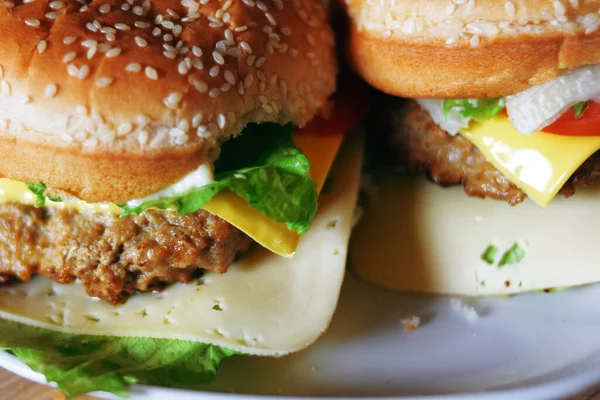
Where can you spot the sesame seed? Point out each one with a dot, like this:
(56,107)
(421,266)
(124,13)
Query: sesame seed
(141,24)
(89,43)
(69,39)
(124,129)
(222,121)
(108,29)
(201,86)
(142,120)
(183,68)
(214,71)
(246,47)
(50,90)
(151,73)
(72,70)
(41,46)
(122,27)
(167,24)
(104,9)
(140,41)
(260,62)
(197,51)
(143,137)
(133,67)
(114,52)
(52,15)
(197,63)
(174,97)
(104,81)
(229,77)
(218,58)
(5,88)
(70,56)
(510,9)
(214,92)
(137,10)
(33,22)
(197,120)
(84,71)
(248,80)
(270,18)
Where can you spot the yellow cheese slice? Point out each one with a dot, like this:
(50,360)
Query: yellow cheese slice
(320,150)
(275,236)
(538,164)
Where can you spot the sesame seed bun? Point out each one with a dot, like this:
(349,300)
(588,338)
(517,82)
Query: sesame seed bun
(116,99)
(470,48)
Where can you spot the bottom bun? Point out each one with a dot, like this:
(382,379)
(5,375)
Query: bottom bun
(415,236)
(264,305)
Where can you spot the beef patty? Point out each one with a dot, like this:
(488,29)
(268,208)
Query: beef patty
(406,135)
(114,257)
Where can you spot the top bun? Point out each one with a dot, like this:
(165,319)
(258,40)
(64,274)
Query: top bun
(113,100)
(470,48)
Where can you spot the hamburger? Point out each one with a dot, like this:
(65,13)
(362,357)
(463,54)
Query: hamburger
(149,146)
(503,99)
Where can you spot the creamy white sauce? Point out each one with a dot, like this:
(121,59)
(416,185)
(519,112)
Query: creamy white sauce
(195,179)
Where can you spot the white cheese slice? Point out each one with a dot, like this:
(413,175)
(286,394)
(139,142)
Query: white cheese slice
(415,236)
(264,304)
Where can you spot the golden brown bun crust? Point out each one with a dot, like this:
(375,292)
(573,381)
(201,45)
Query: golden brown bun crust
(119,99)
(496,48)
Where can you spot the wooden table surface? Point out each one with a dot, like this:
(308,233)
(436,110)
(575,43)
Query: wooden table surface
(13,387)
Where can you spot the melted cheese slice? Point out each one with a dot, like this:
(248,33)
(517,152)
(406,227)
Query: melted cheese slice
(416,236)
(320,150)
(539,164)
(267,305)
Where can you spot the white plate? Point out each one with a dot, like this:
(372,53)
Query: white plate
(531,346)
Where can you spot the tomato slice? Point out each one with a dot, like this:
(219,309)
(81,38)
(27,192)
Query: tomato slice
(569,125)
(351,103)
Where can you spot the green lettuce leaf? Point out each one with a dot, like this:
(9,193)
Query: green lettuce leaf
(477,109)
(580,108)
(264,167)
(512,256)
(39,189)
(83,363)
(489,254)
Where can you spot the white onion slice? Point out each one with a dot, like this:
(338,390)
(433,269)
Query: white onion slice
(541,105)
(452,124)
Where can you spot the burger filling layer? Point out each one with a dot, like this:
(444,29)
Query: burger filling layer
(264,188)
(413,139)
(538,138)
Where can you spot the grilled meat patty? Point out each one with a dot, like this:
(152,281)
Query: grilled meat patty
(409,137)
(114,257)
